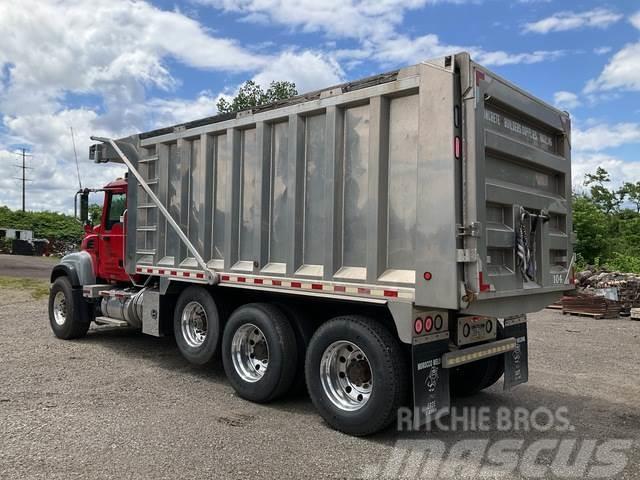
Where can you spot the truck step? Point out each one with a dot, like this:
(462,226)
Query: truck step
(112,322)
(147,205)
(150,251)
(146,228)
(148,159)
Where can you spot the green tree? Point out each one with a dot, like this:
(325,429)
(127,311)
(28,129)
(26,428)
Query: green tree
(608,200)
(95,213)
(251,95)
(592,229)
(632,192)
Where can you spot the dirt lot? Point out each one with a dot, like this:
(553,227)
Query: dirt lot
(26,267)
(118,404)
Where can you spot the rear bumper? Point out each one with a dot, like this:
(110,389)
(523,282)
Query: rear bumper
(472,354)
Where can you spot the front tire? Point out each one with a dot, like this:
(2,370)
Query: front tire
(196,326)
(69,314)
(356,374)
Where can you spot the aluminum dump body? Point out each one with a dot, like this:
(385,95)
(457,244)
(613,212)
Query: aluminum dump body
(409,185)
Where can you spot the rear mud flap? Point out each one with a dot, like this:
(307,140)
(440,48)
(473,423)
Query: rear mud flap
(430,380)
(516,363)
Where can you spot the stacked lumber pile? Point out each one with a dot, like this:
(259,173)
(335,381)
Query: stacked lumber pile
(584,304)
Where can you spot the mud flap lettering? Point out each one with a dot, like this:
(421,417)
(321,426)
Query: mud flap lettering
(430,380)
(516,363)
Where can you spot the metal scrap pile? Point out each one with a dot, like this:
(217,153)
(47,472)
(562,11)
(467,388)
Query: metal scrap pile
(622,288)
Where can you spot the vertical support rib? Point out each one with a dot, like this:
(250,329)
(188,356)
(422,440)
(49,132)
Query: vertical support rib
(378,187)
(209,182)
(333,191)
(296,186)
(263,178)
(233,198)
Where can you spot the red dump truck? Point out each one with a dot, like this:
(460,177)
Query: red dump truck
(378,243)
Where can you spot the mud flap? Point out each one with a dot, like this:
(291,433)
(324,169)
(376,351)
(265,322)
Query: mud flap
(516,363)
(430,380)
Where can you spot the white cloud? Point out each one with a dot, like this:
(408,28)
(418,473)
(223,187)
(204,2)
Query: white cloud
(635,20)
(603,136)
(619,170)
(622,71)
(566,100)
(601,50)
(563,21)
(308,70)
(374,24)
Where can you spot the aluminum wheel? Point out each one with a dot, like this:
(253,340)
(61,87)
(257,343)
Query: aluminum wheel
(60,308)
(194,324)
(250,353)
(346,376)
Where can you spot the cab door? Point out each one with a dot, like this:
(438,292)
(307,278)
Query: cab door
(111,244)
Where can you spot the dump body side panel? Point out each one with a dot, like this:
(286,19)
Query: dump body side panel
(364,189)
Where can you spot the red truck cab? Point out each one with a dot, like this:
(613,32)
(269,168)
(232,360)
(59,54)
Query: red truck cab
(106,242)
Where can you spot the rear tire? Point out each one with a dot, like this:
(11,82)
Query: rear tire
(69,313)
(303,326)
(259,352)
(471,378)
(357,374)
(196,326)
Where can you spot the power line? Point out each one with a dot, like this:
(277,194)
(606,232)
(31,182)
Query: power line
(73,140)
(24,176)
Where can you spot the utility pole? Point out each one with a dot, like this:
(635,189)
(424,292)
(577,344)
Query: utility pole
(24,176)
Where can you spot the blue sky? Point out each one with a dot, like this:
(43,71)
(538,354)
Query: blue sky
(113,67)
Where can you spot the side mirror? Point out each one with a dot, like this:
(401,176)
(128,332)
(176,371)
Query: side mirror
(84,207)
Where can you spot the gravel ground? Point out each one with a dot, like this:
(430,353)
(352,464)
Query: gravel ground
(118,404)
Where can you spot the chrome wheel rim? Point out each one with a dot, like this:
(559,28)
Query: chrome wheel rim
(194,324)
(346,375)
(250,353)
(60,308)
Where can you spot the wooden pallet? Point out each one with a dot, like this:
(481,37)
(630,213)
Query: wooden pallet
(594,315)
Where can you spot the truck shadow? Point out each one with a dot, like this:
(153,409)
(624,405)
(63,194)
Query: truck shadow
(532,409)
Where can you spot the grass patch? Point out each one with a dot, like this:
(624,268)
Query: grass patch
(38,288)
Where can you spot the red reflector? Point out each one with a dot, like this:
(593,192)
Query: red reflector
(277,283)
(242,279)
(390,293)
(364,291)
(339,288)
(457,147)
(296,285)
(199,275)
(428,324)
(417,325)
(428,276)
(316,286)
(225,278)
(173,272)
(258,281)
(186,274)
(484,287)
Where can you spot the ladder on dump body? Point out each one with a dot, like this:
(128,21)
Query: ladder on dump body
(151,208)
(147,224)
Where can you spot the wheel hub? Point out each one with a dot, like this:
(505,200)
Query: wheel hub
(250,353)
(60,308)
(346,375)
(194,324)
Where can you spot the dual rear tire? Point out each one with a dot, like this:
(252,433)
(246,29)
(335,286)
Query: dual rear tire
(355,369)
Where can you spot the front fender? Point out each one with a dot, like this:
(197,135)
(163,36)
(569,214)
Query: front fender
(78,266)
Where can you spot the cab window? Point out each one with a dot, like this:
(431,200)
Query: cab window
(117,206)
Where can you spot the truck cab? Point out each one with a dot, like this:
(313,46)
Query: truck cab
(105,242)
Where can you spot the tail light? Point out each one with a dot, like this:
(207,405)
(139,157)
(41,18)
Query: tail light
(428,324)
(418,325)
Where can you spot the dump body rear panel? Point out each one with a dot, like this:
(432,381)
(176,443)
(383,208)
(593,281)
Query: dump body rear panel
(361,185)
